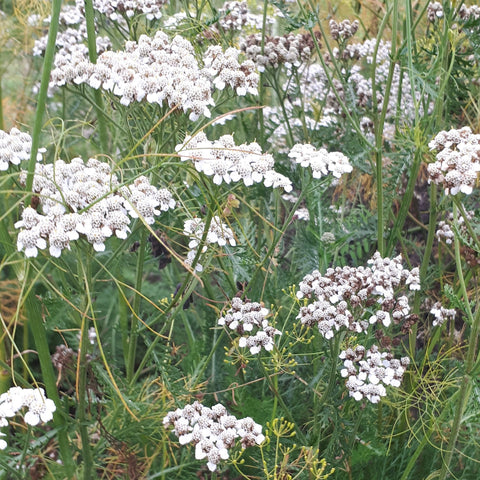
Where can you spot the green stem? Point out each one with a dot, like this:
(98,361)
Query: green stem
(42,94)
(2,122)
(84,272)
(432,227)
(261,87)
(466,385)
(379,122)
(92,53)
(132,343)
(349,113)
(39,334)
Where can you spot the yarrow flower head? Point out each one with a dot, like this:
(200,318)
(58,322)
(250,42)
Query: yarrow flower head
(213,431)
(343,298)
(114,9)
(344,30)
(233,15)
(159,70)
(40,408)
(442,314)
(15,147)
(320,161)
(223,68)
(226,162)
(218,233)
(250,320)
(435,12)
(290,50)
(369,371)
(84,198)
(458,160)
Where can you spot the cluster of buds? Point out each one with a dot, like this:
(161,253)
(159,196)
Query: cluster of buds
(320,161)
(345,297)
(15,147)
(250,318)
(226,162)
(344,30)
(85,198)
(458,160)
(213,431)
(289,50)
(40,408)
(218,233)
(369,371)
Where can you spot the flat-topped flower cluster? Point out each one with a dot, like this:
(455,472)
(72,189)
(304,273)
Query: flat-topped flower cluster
(343,296)
(352,299)
(40,408)
(159,70)
(15,147)
(114,9)
(320,161)
(234,15)
(290,50)
(213,431)
(442,314)
(226,162)
(344,30)
(458,160)
(435,12)
(249,319)
(85,198)
(369,371)
(218,233)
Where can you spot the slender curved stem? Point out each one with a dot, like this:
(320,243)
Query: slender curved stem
(466,384)
(92,53)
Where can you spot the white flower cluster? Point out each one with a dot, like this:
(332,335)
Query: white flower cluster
(223,68)
(157,70)
(72,35)
(458,160)
(218,233)
(233,15)
(320,161)
(213,431)
(442,314)
(250,317)
(289,50)
(72,26)
(40,408)
(15,147)
(227,162)
(444,228)
(369,371)
(435,12)
(344,297)
(114,9)
(78,198)
(344,30)
(154,69)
